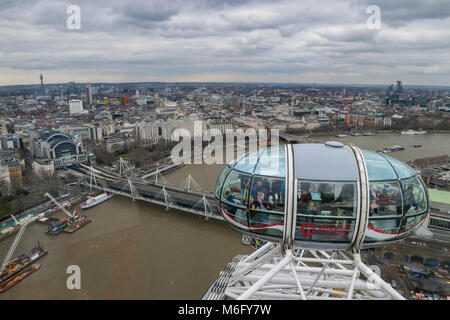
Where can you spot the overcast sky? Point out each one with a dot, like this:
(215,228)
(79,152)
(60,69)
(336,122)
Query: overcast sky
(305,41)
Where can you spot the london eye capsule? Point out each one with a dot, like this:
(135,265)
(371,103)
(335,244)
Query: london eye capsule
(326,196)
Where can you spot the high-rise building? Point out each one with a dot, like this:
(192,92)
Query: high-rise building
(399,87)
(89,88)
(71,88)
(389,90)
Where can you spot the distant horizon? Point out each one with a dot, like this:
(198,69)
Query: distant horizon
(304,84)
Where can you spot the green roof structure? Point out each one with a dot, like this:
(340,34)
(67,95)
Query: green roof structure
(439,196)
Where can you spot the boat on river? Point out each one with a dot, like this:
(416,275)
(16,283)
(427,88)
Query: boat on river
(413,132)
(14,267)
(93,201)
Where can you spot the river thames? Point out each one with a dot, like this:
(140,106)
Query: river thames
(135,250)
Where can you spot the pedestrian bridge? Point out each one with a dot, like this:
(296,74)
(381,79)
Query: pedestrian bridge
(187,197)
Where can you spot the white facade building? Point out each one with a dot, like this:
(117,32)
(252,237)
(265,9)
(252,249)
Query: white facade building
(152,132)
(44,169)
(108,129)
(5,180)
(87,131)
(4,173)
(76,107)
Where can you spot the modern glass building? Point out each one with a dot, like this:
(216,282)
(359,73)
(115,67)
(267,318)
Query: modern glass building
(329,196)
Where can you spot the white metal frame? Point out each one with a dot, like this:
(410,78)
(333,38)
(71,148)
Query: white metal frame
(60,206)
(274,273)
(363,200)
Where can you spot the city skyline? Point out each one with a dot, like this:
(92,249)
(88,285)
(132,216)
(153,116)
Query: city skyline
(225,41)
(272,83)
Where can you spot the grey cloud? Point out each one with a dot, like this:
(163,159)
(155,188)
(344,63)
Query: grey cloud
(250,39)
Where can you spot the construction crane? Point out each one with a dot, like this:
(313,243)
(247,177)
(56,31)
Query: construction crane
(48,195)
(349,115)
(13,246)
(15,220)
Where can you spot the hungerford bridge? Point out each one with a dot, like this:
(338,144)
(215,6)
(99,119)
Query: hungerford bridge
(153,187)
(187,197)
